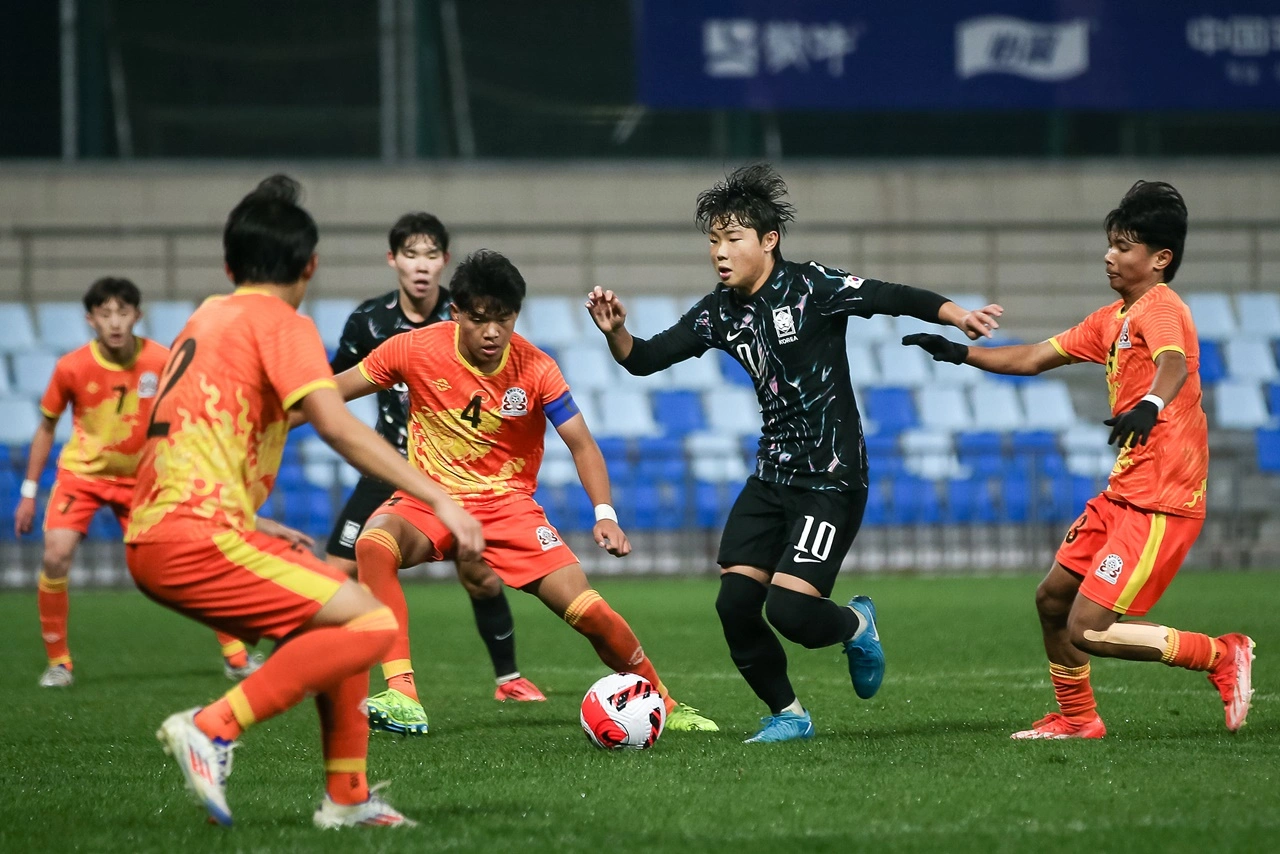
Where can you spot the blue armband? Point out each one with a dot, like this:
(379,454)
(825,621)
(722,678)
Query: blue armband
(561,409)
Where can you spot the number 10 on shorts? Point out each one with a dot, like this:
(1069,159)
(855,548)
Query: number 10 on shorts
(823,539)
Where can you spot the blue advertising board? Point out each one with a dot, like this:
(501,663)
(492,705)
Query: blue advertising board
(966,54)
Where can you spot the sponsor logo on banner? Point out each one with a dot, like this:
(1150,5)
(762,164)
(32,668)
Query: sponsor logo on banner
(997,44)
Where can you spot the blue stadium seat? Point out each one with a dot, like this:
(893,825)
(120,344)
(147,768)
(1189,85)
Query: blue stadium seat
(892,408)
(290,476)
(883,455)
(103,526)
(877,513)
(982,451)
(1212,368)
(678,413)
(1016,499)
(732,371)
(915,501)
(1035,452)
(1268,450)
(1273,398)
(712,501)
(969,501)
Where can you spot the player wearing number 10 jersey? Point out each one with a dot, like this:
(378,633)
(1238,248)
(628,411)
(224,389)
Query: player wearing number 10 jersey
(110,385)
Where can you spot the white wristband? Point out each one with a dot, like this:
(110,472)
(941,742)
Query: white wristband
(29,489)
(1157,401)
(605,511)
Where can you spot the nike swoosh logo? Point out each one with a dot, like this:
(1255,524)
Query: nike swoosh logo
(504,635)
(803,559)
(734,336)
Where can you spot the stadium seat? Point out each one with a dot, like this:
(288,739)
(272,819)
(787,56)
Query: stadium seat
(876,513)
(1250,359)
(1239,405)
(6,388)
(587,366)
(712,501)
(871,330)
(945,373)
(1212,315)
(166,319)
(1259,314)
(647,315)
(553,321)
(18,421)
(330,316)
(61,325)
(884,457)
(862,366)
(626,413)
(365,409)
(1035,453)
(928,454)
(1268,442)
(969,501)
(1212,368)
(715,458)
(699,374)
(1273,399)
(892,409)
(32,370)
(733,372)
(996,407)
(904,366)
(1087,451)
(915,502)
(982,452)
(678,412)
(1047,404)
(944,408)
(732,410)
(19,333)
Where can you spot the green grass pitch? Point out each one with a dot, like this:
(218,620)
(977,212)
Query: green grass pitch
(925,766)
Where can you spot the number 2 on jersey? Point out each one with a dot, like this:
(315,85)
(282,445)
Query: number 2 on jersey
(177,366)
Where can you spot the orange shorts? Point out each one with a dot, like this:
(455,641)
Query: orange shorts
(74,500)
(246,584)
(520,544)
(1126,556)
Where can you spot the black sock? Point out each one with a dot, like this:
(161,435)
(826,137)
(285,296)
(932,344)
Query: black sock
(497,630)
(753,646)
(808,620)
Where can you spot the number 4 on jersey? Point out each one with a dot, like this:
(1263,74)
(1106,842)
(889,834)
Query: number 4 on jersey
(471,414)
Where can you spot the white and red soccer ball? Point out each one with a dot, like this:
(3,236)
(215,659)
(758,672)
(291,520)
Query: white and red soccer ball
(623,710)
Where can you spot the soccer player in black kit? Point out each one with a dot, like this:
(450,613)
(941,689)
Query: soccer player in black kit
(419,252)
(793,523)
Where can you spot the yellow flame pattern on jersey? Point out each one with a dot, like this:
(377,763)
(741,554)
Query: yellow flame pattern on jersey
(95,433)
(443,445)
(217,466)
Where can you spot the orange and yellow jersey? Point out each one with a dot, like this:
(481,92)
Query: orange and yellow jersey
(219,425)
(479,435)
(1170,472)
(110,405)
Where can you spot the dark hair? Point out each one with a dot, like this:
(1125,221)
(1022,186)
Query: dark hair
(269,238)
(752,195)
(418,224)
(487,281)
(1152,212)
(109,288)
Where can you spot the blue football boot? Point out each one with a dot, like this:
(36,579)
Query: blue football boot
(866,656)
(784,726)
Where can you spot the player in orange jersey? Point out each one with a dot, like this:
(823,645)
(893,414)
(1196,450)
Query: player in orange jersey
(1120,555)
(479,400)
(195,544)
(110,385)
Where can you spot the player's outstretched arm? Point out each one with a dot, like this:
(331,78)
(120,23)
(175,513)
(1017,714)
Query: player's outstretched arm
(595,480)
(976,323)
(41,444)
(1016,359)
(351,384)
(368,452)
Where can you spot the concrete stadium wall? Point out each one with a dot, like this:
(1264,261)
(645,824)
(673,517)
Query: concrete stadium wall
(1025,233)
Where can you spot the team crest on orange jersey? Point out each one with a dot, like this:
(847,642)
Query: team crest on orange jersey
(1124,342)
(148,384)
(515,402)
(547,538)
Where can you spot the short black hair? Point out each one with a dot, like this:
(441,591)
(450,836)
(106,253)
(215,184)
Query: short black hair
(418,224)
(752,195)
(109,288)
(269,238)
(487,281)
(1152,212)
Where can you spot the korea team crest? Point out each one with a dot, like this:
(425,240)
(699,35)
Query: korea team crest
(514,402)
(148,384)
(547,538)
(784,325)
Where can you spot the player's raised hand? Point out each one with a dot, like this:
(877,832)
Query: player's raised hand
(465,529)
(980,322)
(1134,426)
(24,516)
(295,538)
(606,309)
(940,348)
(609,536)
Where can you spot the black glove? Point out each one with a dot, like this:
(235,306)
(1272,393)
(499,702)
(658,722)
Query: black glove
(942,349)
(1133,427)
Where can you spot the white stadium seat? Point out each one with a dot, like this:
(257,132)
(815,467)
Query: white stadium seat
(904,366)
(871,330)
(715,458)
(587,366)
(552,321)
(32,370)
(944,408)
(732,411)
(1047,404)
(996,407)
(1239,405)
(62,326)
(18,420)
(1249,359)
(626,414)
(646,315)
(19,333)
(862,365)
(165,319)
(1087,450)
(698,374)
(1212,315)
(929,454)
(330,316)
(1259,314)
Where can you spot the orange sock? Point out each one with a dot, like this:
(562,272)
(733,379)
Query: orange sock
(53,605)
(345,734)
(312,663)
(378,562)
(612,638)
(232,649)
(1192,650)
(1074,693)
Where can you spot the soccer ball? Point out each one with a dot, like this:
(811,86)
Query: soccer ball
(623,710)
